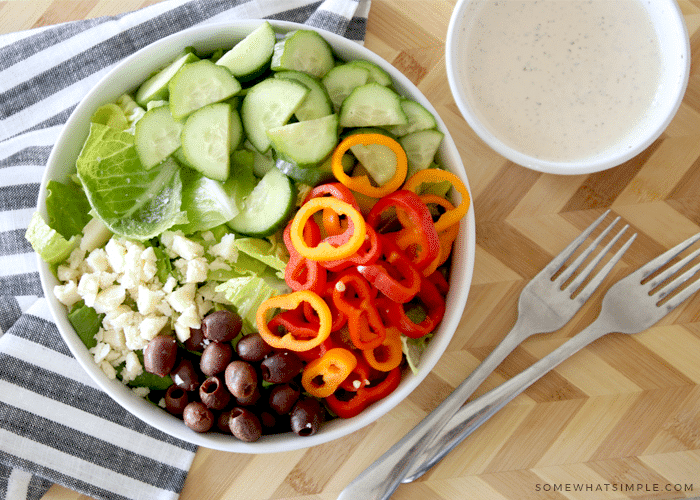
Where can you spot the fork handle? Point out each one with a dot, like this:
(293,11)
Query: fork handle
(470,416)
(381,478)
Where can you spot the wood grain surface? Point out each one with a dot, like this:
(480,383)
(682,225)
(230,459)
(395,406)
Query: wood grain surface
(621,419)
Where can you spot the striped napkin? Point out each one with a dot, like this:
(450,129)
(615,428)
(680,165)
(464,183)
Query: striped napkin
(56,426)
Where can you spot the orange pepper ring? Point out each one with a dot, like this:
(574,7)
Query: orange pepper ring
(324,251)
(291,301)
(432,175)
(361,183)
(333,367)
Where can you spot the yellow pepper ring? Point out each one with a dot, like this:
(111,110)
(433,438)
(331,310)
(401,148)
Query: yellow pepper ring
(433,175)
(361,183)
(324,251)
(292,301)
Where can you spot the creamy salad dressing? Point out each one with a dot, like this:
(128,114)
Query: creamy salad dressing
(561,79)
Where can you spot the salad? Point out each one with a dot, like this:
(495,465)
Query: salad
(258,239)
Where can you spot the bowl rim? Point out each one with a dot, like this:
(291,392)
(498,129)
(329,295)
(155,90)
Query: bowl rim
(166,49)
(586,166)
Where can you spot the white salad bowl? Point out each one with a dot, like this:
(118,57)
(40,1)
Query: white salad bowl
(126,77)
(673,70)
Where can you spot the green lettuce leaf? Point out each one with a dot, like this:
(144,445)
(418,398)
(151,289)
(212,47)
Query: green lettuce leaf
(130,200)
(261,250)
(246,294)
(208,203)
(86,323)
(51,246)
(68,219)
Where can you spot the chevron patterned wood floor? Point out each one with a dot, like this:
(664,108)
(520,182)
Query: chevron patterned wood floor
(620,419)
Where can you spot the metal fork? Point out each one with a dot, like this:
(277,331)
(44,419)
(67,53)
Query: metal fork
(630,306)
(546,304)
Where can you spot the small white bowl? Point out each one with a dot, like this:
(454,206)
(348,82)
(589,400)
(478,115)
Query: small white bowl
(125,78)
(674,51)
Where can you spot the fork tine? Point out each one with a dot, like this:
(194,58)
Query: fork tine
(665,257)
(686,292)
(558,261)
(594,262)
(670,287)
(588,290)
(657,280)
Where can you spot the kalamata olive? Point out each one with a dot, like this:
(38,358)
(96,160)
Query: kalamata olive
(160,355)
(283,397)
(196,340)
(252,348)
(241,379)
(222,422)
(281,367)
(215,358)
(245,425)
(198,417)
(185,376)
(175,400)
(249,400)
(306,417)
(213,394)
(221,326)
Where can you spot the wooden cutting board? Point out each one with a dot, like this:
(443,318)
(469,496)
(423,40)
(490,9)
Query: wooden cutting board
(621,419)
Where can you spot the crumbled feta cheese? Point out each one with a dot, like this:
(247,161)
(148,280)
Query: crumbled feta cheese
(152,325)
(226,249)
(108,370)
(100,352)
(147,300)
(97,261)
(141,391)
(132,368)
(109,299)
(65,273)
(181,298)
(88,287)
(116,253)
(67,294)
(193,271)
(76,258)
(181,246)
(150,264)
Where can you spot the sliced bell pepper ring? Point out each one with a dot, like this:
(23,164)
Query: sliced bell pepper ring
(294,320)
(332,223)
(432,175)
(319,350)
(360,375)
(387,356)
(339,319)
(350,404)
(322,376)
(394,274)
(353,296)
(434,304)
(334,247)
(447,236)
(419,234)
(301,273)
(361,183)
(438,279)
(368,253)
(290,340)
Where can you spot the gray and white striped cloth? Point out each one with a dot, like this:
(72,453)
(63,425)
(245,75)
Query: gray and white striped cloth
(56,426)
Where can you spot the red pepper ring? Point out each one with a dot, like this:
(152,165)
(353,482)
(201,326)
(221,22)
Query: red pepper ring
(368,253)
(360,376)
(339,319)
(326,250)
(290,340)
(424,238)
(365,396)
(394,274)
(294,320)
(301,273)
(353,296)
(434,303)
(332,224)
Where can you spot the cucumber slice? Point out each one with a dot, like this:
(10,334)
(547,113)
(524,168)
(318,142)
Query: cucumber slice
(267,208)
(377,159)
(376,73)
(156,136)
(262,162)
(156,87)
(206,140)
(372,105)
(342,80)
(308,143)
(305,51)
(198,84)
(421,148)
(269,104)
(317,103)
(419,118)
(251,56)
(315,175)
